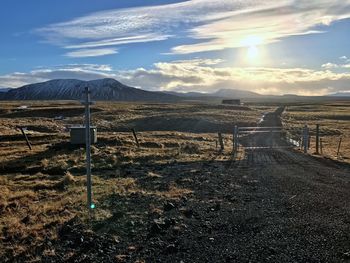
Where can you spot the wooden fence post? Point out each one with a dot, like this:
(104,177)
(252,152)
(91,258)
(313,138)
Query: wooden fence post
(135,137)
(321,146)
(339,144)
(26,138)
(317,138)
(221,141)
(271,139)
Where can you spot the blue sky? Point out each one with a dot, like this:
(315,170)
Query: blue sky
(270,47)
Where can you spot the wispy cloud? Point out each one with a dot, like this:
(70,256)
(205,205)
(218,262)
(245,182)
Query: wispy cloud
(71,71)
(214,24)
(119,41)
(91,52)
(197,75)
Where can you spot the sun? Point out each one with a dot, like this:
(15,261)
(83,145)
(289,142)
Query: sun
(252,48)
(252,53)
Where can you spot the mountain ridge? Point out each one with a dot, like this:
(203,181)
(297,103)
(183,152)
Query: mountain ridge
(73,89)
(4,89)
(221,93)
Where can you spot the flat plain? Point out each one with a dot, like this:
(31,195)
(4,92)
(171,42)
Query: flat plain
(175,197)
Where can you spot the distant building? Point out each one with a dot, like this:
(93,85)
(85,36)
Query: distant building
(232,102)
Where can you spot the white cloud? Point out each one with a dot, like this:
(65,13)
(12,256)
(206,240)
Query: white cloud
(345,59)
(204,75)
(216,24)
(330,65)
(91,52)
(92,67)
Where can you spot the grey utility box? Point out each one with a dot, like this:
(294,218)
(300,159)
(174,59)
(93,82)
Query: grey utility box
(77,135)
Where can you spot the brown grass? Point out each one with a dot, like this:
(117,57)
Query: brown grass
(334,121)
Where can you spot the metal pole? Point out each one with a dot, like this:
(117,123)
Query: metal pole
(317,138)
(88,148)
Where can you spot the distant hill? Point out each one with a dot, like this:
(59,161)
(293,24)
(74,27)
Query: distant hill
(72,89)
(190,94)
(222,93)
(340,94)
(235,94)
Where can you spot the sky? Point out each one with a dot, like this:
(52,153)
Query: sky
(270,47)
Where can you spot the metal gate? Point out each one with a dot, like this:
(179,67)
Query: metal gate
(265,137)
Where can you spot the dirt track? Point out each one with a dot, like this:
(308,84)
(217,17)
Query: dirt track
(281,206)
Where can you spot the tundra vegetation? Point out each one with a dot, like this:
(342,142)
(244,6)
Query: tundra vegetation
(173,183)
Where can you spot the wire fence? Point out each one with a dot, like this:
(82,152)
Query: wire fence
(303,138)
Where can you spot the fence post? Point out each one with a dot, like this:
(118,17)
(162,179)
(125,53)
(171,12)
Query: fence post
(340,139)
(321,146)
(221,141)
(87,104)
(26,138)
(271,139)
(135,137)
(306,138)
(317,138)
(235,139)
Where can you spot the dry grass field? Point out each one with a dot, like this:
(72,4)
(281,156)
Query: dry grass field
(174,196)
(334,121)
(43,188)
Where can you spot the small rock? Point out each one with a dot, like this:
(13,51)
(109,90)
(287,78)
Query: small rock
(121,258)
(215,208)
(346,255)
(169,222)
(155,229)
(171,249)
(188,213)
(168,206)
(176,230)
(131,248)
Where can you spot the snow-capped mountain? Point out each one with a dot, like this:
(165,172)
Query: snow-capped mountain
(4,89)
(72,89)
